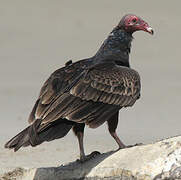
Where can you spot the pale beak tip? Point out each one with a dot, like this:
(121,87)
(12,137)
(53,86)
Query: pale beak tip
(150,30)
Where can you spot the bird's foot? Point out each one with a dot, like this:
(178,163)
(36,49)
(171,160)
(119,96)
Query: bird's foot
(129,146)
(137,144)
(94,154)
(88,157)
(121,146)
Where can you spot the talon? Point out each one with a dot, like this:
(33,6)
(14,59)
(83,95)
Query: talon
(94,154)
(122,146)
(89,157)
(137,144)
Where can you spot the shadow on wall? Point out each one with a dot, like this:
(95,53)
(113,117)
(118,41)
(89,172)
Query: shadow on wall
(74,170)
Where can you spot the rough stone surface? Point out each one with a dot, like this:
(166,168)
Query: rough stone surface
(161,160)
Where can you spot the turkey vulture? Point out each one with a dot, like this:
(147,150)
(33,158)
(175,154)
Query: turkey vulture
(87,92)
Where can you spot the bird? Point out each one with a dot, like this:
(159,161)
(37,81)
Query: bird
(88,92)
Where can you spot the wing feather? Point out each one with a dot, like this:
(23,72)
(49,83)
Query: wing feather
(109,84)
(83,93)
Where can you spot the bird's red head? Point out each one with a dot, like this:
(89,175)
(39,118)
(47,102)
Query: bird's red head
(131,23)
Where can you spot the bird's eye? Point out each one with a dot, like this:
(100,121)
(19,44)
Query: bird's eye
(134,20)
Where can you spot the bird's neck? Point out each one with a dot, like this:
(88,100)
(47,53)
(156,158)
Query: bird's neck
(117,47)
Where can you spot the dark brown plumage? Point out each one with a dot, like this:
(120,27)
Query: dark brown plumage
(87,92)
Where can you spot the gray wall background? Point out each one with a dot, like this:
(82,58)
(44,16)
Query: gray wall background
(39,36)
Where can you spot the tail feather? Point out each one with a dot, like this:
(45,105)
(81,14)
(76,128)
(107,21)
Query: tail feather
(18,141)
(33,135)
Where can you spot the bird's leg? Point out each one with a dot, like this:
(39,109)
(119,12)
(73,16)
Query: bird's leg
(119,142)
(80,137)
(112,125)
(78,129)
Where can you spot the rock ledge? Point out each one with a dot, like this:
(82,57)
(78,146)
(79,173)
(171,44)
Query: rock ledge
(161,160)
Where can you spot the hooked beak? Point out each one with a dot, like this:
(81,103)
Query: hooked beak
(149,30)
(145,27)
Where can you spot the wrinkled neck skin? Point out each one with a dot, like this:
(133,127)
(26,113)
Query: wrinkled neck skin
(116,47)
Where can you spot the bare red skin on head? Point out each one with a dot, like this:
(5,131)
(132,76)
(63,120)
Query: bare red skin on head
(131,23)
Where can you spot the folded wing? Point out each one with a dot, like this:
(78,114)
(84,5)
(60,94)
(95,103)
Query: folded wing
(110,84)
(83,93)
